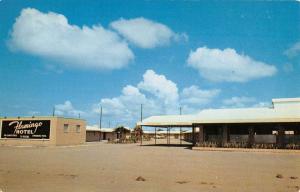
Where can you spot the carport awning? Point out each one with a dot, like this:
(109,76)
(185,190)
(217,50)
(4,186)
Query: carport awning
(168,121)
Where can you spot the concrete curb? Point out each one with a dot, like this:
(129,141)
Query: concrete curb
(246,150)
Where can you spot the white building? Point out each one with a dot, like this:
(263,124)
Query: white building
(276,126)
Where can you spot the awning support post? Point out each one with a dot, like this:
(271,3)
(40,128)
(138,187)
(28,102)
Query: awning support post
(180,136)
(201,134)
(155,136)
(225,135)
(280,137)
(193,135)
(169,136)
(250,136)
(141,135)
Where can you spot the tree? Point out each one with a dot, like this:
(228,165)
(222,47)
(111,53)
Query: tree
(121,131)
(137,133)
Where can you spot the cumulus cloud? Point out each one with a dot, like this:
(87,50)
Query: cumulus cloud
(67,109)
(194,95)
(125,108)
(159,86)
(145,33)
(293,51)
(158,94)
(50,35)
(227,65)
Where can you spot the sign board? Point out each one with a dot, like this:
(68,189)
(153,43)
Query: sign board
(26,129)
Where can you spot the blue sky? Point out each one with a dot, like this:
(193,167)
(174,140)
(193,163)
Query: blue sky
(165,54)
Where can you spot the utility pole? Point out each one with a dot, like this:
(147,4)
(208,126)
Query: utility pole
(141,112)
(53,111)
(100,122)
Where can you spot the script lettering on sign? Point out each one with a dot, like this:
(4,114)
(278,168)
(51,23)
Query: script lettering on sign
(26,129)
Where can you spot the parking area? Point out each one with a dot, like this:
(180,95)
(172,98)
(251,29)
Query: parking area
(130,167)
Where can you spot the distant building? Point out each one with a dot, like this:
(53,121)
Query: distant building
(275,127)
(42,131)
(162,134)
(94,133)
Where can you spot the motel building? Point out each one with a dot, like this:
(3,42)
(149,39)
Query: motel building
(41,131)
(94,133)
(277,126)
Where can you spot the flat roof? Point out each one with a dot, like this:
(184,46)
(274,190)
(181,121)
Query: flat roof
(97,129)
(108,130)
(279,100)
(289,111)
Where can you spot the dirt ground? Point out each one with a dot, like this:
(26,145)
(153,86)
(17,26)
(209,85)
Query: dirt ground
(129,167)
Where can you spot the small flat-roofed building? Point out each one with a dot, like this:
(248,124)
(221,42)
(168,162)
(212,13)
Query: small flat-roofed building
(41,131)
(94,133)
(277,126)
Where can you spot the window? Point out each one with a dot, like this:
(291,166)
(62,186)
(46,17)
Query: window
(78,128)
(66,128)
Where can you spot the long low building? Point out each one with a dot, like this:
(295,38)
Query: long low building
(174,134)
(94,133)
(276,126)
(42,131)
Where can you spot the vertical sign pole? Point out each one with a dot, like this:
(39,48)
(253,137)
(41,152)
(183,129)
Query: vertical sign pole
(155,136)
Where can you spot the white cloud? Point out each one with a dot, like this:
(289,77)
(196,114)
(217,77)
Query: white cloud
(293,51)
(158,95)
(239,102)
(145,33)
(67,109)
(227,65)
(125,109)
(195,96)
(50,35)
(160,86)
